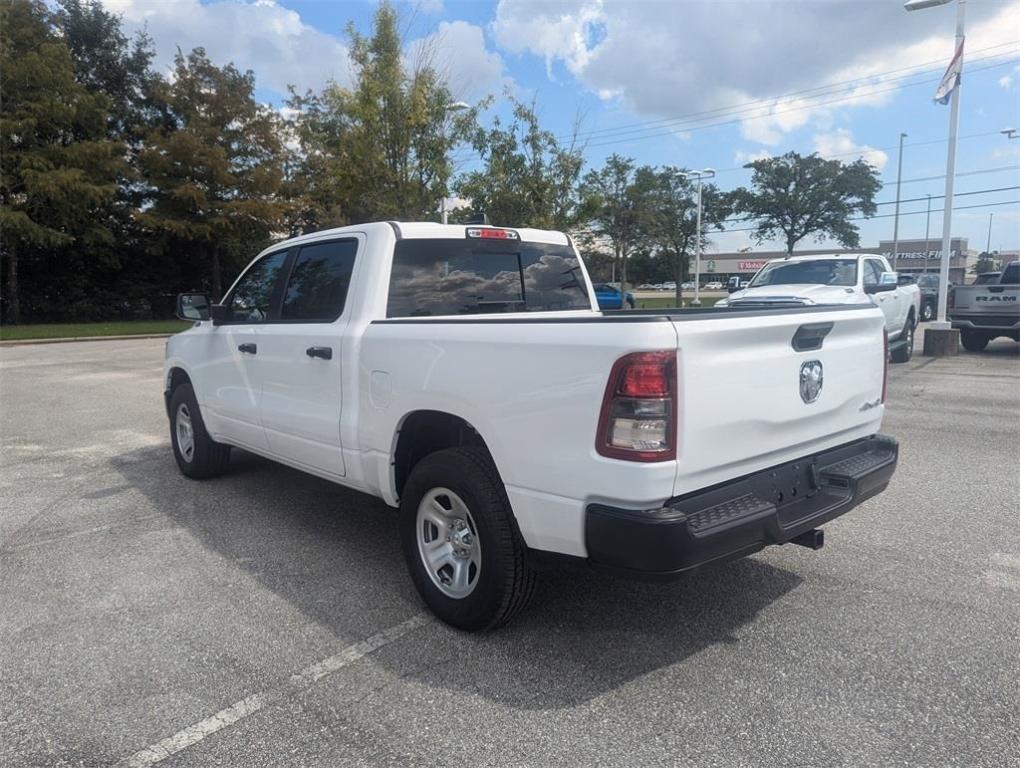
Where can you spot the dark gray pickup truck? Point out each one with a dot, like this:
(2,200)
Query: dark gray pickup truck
(987,311)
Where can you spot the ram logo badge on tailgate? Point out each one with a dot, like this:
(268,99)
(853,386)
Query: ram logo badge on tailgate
(810,380)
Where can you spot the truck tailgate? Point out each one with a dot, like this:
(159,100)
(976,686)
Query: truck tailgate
(998,303)
(740,403)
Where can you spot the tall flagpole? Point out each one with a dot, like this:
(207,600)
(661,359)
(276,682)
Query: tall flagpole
(947,208)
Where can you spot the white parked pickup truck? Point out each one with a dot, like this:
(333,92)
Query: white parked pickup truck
(838,278)
(466,376)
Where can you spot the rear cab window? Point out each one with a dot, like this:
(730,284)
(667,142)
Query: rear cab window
(433,278)
(1011,275)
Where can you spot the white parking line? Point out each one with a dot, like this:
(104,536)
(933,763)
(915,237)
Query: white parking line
(307,677)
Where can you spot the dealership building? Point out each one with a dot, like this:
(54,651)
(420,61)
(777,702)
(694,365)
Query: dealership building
(914,257)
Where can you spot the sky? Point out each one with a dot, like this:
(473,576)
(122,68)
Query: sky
(695,84)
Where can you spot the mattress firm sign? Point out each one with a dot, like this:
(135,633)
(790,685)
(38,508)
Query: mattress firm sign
(924,249)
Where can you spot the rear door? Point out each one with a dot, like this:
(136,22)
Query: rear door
(300,356)
(742,407)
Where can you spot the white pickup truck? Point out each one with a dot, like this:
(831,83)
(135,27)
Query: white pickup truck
(466,376)
(839,278)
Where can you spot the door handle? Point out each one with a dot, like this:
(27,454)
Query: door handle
(251,349)
(325,353)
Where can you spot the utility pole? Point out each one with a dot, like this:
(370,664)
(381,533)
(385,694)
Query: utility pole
(988,246)
(896,216)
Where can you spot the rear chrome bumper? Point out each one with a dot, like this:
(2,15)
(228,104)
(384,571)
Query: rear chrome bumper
(741,516)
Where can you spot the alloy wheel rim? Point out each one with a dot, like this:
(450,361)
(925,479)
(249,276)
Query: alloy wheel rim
(185,433)
(448,543)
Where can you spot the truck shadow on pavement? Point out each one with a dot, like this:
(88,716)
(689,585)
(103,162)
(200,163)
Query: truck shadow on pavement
(334,554)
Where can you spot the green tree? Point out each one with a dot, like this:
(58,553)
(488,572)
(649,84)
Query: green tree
(671,226)
(986,262)
(214,168)
(120,276)
(528,179)
(57,166)
(107,62)
(381,149)
(617,205)
(793,196)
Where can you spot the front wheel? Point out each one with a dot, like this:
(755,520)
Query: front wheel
(974,341)
(461,543)
(197,454)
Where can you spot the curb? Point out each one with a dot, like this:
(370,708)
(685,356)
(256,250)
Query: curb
(71,339)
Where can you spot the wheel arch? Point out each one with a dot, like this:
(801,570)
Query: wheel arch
(422,432)
(175,377)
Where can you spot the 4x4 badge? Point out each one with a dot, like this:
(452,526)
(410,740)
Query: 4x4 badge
(810,380)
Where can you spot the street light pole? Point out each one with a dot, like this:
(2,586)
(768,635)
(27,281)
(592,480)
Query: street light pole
(706,173)
(896,216)
(988,245)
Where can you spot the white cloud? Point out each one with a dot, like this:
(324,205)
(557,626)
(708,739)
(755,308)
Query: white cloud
(432,7)
(1007,80)
(564,32)
(458,51)
(262,36)
(283,50)
(840,144)
(742,157)
(711,59)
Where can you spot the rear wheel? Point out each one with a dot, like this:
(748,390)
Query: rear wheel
(974,341)
(904,351)
(927,311)
(197,454)
(461,543)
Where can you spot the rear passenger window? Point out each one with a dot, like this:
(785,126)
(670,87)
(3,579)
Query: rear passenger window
(317,288)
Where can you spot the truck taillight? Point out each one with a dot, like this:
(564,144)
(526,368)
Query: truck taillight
(885,363)
(638,421)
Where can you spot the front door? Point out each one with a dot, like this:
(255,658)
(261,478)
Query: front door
(300,357)
(887,301)
(232,375)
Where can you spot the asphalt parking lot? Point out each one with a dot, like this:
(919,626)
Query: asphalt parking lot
(265,618)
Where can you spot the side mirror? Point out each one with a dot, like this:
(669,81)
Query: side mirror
(731,288)
(889,278)
(193,306)
(887,282)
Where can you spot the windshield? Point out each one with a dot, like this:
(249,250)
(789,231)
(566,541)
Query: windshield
(820,272)
(475,277)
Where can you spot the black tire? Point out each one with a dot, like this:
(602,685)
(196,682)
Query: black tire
(207,457)
(505,580)
(927,311)
(903,352)
(974,341)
